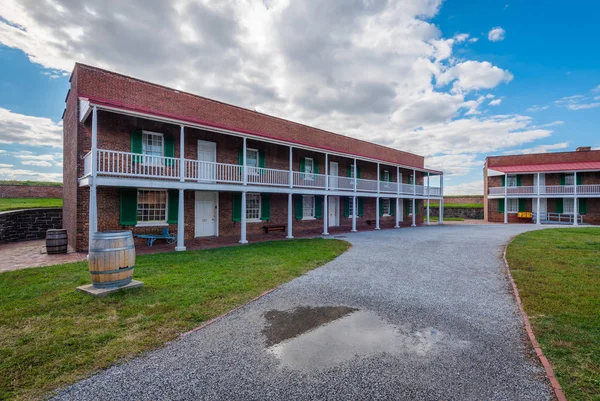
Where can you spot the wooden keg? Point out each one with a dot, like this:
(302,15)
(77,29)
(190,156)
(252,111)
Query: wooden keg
(111,259)
(56,241)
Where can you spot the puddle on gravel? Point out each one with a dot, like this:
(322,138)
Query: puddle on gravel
(318,338)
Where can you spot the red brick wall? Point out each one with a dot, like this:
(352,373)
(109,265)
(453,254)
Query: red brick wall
(71,164)
(30,191)
(543,158)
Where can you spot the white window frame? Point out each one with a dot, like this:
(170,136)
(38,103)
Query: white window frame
(308,212)
(512,205)
(511,180)
(568,206)
(154,223)
(386,178)
(388,206)
(252,170)
(570,179)
(249,218)
(352,171)
(350,207)
(150,159)
(308,176)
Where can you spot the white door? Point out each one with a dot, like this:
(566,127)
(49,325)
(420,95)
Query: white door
(333,210)
(205,224)
(400,210)
(333,175)
(207,156)
(543,205)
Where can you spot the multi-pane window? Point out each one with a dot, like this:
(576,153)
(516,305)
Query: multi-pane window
(568,206)
(308,207)
(386,206)
(253,206)
(512,205)
(352,171)
(152,206)
(386,175)
(252,160)
(569,179)
(309,165)
(351,207)
(152,145)
(511,180)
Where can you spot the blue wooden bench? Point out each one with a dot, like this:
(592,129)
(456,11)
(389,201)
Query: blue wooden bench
(163,235)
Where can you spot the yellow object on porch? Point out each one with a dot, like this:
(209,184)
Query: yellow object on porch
(525,215)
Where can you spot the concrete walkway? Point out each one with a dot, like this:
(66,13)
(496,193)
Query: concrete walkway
(25,254)
(412,314)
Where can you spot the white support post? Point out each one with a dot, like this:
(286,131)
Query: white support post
(378,179)
(414,213)
(414,182)
(377,213)
(428,195)
(355,176)
(575,200)
(243,239)
(538,213)
(427,211)
(245,172)
(93,206)
(326,173)
(397,213)
(181,156)
(289,227)
(505,199)
(291,168)
(325,215)
(441,218)
(354,211)
(398,182)
(180,224)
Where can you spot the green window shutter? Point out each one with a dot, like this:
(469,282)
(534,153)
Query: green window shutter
(410,179)
(357,171)
(407,205)
(503,180)
(380,207)
(562,179)
(382,176)
(319,206)
(582,206)
(522,205)
(173,206)
(136,144)
(580,179)
(559,205)
(346,207)
(519,180)
(298,202)
(262,160)
(236,207)
(128,207)
(500,205)
(349,171)
(361,207)
(265,207)
(392,207)
(241,156)
(302,164)
(169,150)
(316,166)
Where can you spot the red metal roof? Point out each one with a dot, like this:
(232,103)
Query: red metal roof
(535,168)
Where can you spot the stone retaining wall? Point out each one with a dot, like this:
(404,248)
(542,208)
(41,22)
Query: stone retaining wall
(28,224)
(465,213)
(30,191)
(464,199)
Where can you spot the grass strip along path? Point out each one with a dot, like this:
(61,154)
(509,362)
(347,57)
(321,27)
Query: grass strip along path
(557,272)
(51,335)
(28,203)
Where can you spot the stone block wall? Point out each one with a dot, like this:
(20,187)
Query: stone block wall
(28,224)
(30,191)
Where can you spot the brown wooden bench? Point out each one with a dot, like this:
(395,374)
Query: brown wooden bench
(273,228)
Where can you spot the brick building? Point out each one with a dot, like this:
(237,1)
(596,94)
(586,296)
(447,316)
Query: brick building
(141,156)
(564,187)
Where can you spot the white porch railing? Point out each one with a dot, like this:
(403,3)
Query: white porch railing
(134,165)
(588,189)
(561,218)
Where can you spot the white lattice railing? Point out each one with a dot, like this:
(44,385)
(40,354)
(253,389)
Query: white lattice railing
(366,185)
(309,180)
(588,189)
(388,187)
(213,172)
(125,164)
(268,176)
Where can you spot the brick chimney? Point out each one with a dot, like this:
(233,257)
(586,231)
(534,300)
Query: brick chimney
(583,149)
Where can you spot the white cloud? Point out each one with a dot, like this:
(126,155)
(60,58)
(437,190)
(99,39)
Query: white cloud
(535,107)
(496,34)
(583,106)
(21,175)
(552,124)
(28,130)
(538,149)
(596,89)
(495,102)
(473,40)
(468,188)
(461,37)
(474,75)
(3,165)
(451,165)
(39,163)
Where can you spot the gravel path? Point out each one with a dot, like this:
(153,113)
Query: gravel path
(414,314)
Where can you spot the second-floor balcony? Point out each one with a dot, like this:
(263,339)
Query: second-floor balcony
(549,190)
(134,165)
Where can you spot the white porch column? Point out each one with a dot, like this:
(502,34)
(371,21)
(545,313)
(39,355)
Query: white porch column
(537,214)
(291,168)
(397,213)
(245,173)
(289,225)
(354,211)
(180,224)
(427,211)
(243,239)
(181,156)
(414,182)
(575,200)
(326,172)
(505,199)
(378,179)
(398,183)
(377,213)
(93,206)
(414,214)
(325,215)
(428,195)
(441,217)
(355,175)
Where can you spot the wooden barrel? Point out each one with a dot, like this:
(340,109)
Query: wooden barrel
(111,259)
(56,241)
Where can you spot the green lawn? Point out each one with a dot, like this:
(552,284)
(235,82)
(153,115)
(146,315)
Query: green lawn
(28,203)
(459,205)
(557,272)
(51,335)
(435,218)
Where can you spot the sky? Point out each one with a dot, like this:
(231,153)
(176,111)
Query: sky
(454,80)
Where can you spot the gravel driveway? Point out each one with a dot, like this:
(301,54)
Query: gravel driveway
(412,314)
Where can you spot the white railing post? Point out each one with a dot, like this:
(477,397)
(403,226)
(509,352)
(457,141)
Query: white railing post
(325,215)
(289,217)
(243,239)
(180,224)
(245,172)
(93,206)
(354,211)
(182,156)
(291,175)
